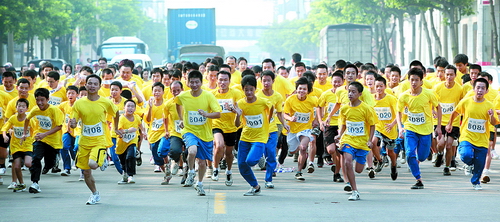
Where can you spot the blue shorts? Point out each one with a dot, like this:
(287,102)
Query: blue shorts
(357,154)
(205,149)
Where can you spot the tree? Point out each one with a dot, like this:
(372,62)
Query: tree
(155,35)
(285,39)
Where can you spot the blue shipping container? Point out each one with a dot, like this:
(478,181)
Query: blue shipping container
(190,26)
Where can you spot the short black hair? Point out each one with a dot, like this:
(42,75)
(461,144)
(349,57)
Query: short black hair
(449,66)
(72,87)
(322,66)
(43,92)
(381,79)
(268,73)
(416,72)
(116,83)
(30,73)
(396,69)
(158,84)
(476,66)
(416,63)
(94,76)
(213,68)
(486,75)
(176,82)
(483,81)
(21,81)
(351,66)
(358,86)
(296,57)
(310,76)
(300,64)
(195,74)
(268,60)
(9,74)
(82,88)
(107,71)
(339,64)
(224,73)
(303,80)
(247,72)
(461,58)
(126,63)
(442,63)
(53,74)
(338,73)
(130,100)
(248,80)
(21,100)
(256,69)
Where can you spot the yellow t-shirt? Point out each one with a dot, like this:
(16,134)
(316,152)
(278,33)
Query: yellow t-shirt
(448,99)
(195,123)
(386,113)
(5,98)
(467,87)
(11,107)
(328,100)
(105,92)
(226,120)
(325,87)
(255,120)
(13,93)
(316,92)
(303,110)
(17,134)
(156,125)
(93,114)
(235,78)
(128,139)
(66,108)
(170,112)
(282,86)
(277,101)
(366,96)
(57,97)
(475,123)
(419,108)
(405,85)
(45,121)
(357,121)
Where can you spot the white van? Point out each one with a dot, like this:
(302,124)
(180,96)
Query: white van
(137,58)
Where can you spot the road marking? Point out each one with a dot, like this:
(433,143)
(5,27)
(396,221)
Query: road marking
(220,203)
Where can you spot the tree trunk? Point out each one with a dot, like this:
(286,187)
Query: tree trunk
(496,52)
(384,42)
(438,48)
(401,39)
(377,40)
(428,37)
(451,13)
(413,38)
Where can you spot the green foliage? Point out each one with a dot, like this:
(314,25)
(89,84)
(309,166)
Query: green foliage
(155,35)
(285,39)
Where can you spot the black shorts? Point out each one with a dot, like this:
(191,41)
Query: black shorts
(21,154)
(329,135)
(229,138)
(4,144)
(492,136)
(455,132)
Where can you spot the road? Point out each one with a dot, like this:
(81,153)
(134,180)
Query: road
(316,199)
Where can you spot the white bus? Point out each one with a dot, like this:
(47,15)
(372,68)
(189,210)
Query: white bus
(121,45)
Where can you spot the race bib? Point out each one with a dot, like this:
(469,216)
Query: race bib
(195,118)
(177,126)
(1,113)
(302,117)
(383,113)
(66,119)
(18,132)
(156,124)
(55,101)
(447,108)
(45,122)
(476,125)
(254,121)
(330,108)
(222,105)
(416,118)
(93,130)
(127,137)
(355,128)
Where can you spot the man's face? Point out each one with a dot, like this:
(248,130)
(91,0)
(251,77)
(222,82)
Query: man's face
(337,82)
(267,82)
(480,89)
(242,65)
(353,93)
(52,82)
(158,92)
(415,81)
(212,76)
(78,67)
(8,83)
(474,73)
(440,72)
(102,64)
(249,91)
(156,77)
(126,73)
(350,74)
(166,80)
(395,77)
(387,72)
(32,66)
(267,66)
(450,75)
(283,73)
(461,67)
(300,70)
(223,81)
(71,94)
(115,91)
(232,63)
(302,90)
(23,89)
(380,87)
(42,102)
(93,86)
(46,71)
(194,84)
(322,73)
(175,89)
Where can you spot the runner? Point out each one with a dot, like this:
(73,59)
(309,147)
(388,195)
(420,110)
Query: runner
(68,153)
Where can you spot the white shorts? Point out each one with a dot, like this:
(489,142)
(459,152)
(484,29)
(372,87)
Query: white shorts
(293,139)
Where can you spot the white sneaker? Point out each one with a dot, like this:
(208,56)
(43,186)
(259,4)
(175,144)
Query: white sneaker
(269,185)
(467,170)
(93,199)
(130,179)
(81,178)
(3,170)
(354,196)
(215,175)
(199,189)
(209,172)
(477,187)
(252,192)
(175,169)
(24,168)
(35,188)
(190,179)
(157,169)
(180,172)
(104,165)
(434,157)
(124,179)
(12,185)
(229,179)
(494,155)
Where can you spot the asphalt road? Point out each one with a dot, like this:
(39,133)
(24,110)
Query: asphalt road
(449,198)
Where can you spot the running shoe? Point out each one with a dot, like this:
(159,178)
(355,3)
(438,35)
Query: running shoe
(66,173)
(104,165)
(2,171)
(215,175)
(252,192)
(453,165)
(494,155)
(93,199)
(380,166)
(310,168)
(477,186)
(337,178)
(223,164)
(157,169)
(209,172)
(12,186)
(371,172)
(347,187)
(269,185)
(354,196)
(446,171)
(418,185)
(394,173)
(439,160)
(35,188)
(298,176)
(124,179)
(190,179)
(130,179)
(82,178)
(262,163)
(20,188)
(175,169)
(55,170)
(45,171)
(199,189)
(229,179)
(467,169)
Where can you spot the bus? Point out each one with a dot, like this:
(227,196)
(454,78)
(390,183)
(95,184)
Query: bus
(121,45)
